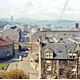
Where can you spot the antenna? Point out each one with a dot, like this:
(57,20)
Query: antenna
(62,13)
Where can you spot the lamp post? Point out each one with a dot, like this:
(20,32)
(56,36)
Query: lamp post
(28,67)
(16,58)
(36,71)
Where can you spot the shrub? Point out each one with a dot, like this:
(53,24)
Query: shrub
(4,76)
(2,68)
(17,74)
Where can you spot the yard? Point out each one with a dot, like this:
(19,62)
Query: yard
(3,66)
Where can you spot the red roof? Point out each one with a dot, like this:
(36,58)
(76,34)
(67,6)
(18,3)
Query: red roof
(4,42)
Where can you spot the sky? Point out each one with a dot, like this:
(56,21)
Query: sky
(40,9)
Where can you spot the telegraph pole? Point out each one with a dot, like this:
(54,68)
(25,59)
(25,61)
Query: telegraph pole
(36,71)
(28,67)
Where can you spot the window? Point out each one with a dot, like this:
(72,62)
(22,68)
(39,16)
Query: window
(72,55)
(61,71)
(8,52)
(49,67)
(48,55)
(59,51)
(3,53)
(73,67)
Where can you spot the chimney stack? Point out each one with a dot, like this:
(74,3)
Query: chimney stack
(51,40)
(61,41)
(79,45)
(74,42)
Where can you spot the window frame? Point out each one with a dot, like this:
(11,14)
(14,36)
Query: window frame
(48,54)
(72,54)
(8,52)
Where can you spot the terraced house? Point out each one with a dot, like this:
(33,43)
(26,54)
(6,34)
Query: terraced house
(61,59)
(6,48)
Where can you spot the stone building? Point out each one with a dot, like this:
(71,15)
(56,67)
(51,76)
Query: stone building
(36,35)
(13,34)
(6,48)
(59,59)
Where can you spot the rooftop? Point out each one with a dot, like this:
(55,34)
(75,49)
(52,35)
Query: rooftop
(5,41)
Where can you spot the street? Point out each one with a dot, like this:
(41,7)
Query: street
(25,65)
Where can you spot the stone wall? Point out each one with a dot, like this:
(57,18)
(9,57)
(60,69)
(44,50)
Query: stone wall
(56,65)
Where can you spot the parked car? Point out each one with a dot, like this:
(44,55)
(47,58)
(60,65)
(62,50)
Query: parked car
(20,58)
(24,55)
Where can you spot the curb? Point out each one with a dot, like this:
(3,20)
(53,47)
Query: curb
(33,65)
(7,67)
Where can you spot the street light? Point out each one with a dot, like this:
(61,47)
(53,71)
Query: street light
(28,67)
(36,71)
(16,58)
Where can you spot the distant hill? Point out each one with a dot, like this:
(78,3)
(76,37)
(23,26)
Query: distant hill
(31,21)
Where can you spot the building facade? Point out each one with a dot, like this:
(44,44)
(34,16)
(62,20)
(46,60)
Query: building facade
(37,35)
(59,60)
(13,34)
(6,48)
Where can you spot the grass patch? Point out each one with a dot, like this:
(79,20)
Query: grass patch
(3,66)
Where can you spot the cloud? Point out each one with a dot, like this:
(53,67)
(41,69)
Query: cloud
(39,9)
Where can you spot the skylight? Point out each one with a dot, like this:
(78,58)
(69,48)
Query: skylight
(59,51)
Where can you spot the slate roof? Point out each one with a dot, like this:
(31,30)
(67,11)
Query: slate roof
(56,48)
(9,39)
(38,34)
(8,26)
(60,51)
(72,47)
(48,50)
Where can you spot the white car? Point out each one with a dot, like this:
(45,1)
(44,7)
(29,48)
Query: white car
(20,58)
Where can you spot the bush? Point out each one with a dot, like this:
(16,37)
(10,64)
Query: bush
(4,76)
(2,68)
(17,74)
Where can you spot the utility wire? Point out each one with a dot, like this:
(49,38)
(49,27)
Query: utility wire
(62,12)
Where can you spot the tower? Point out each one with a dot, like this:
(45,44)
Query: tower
(11,19)
(76,25)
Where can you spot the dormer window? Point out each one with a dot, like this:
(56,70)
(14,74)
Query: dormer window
(48,55)
(72,55)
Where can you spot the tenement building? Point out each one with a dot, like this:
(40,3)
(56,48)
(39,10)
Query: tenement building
(59,59)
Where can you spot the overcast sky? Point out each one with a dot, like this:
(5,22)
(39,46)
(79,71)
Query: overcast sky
(40,9)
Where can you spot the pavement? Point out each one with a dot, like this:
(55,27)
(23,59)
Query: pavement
(24,65)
